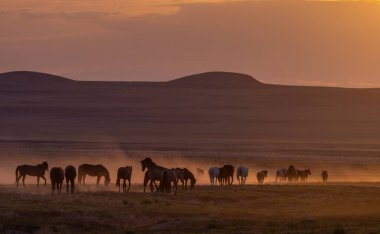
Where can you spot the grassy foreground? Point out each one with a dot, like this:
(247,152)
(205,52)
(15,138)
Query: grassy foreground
(333,208)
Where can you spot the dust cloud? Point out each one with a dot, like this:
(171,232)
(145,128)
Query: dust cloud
(115,155)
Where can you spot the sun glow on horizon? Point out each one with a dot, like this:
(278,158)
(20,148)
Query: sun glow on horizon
(111,7)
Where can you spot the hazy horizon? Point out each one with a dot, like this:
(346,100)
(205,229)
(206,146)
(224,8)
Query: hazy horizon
(320,43)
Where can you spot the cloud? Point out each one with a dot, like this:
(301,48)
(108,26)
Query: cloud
(293,42)
(41,8)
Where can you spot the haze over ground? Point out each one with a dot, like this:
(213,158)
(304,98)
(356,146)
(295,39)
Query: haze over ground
(333,43)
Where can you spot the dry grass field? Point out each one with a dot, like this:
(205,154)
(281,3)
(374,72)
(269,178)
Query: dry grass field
(349,203)
(313,208)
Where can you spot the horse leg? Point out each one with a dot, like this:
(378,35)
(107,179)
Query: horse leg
(72,186)
(43,177)
(23,180)
(176,187)
(97,180)
(129,185)
(67,185)
(186,184)
(125,186)
(18,179)
(146,179)
(151,186)
(38,181)
(84,179)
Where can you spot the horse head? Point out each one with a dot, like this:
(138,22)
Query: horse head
(193,181)
(308,171)
(265,173)
(46,166)
(107,180)
(145,162)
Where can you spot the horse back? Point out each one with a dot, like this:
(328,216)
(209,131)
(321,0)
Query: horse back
(93,170)
(124,172)
(31,170)
(70,172)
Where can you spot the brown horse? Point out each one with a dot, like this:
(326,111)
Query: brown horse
(169,176)
(93,170)
(226,175)
(184,175)
(304,174)
(261,175)
(187,175)
(325,176)
(57,176)
(291,173)
(70,175)
(153,173)
(38,170)
(124,173)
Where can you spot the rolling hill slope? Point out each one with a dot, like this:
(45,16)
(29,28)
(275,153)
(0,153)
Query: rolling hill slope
(209,107)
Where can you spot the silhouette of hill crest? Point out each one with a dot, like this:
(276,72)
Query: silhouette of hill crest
(217,80)
(30,78)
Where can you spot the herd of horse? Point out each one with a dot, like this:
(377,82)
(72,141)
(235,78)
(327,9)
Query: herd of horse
(168,178)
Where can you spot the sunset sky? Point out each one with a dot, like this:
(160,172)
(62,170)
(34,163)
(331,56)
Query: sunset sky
(333,43)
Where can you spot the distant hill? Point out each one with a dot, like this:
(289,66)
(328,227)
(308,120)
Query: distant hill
(209,107)
(29,78)
(217,80)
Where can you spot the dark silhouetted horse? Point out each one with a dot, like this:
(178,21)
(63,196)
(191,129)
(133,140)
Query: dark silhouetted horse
(184,175)
(153,173)
(70,174)
(281,175)
(187,175)
(261,176)
(93,170)
(38,170)
(226,175)
(169,176)
(57,175)
(291,173)
(124,173)
(303,174)
(325,176)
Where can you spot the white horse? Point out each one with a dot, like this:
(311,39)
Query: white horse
(281,174)
(242,174)
(213,172)
(261,175)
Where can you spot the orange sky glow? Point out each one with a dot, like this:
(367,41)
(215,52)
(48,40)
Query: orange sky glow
(333,43)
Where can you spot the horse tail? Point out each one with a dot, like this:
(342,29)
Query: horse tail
(80,174)
(17,172)
(118,181)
